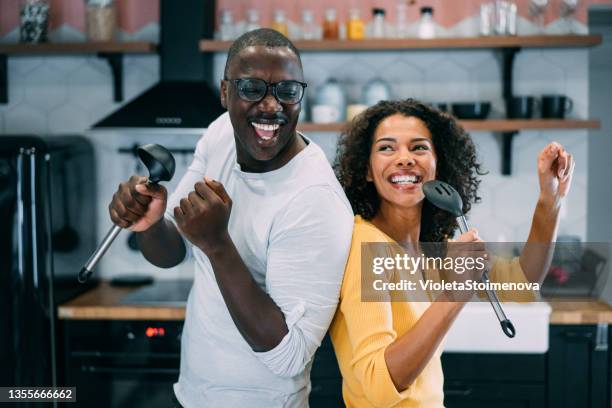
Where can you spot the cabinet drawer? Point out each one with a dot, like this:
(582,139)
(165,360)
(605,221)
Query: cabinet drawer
(520,368)
(462,394)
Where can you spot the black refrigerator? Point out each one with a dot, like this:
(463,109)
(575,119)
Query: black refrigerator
(47,231)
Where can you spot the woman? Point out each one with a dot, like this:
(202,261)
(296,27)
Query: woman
(389,352)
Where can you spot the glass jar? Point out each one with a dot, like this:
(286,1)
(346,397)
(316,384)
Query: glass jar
(309,28)
(330,25)
(101,20)
(34,21)
(252,20)
(378,23)
(280,22)
(426,24)
(401,29)
(354,29)
(226,28)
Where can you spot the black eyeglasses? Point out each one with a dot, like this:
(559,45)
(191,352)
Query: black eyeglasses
(255,89)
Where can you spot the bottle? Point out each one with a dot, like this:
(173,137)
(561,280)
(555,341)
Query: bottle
(378,23)
(226,28)
(309,28)
(426,24)
(330,25)
(252,20)
(355,28)
(401,30)
(280,22)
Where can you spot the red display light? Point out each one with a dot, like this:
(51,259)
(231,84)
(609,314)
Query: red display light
(155,332)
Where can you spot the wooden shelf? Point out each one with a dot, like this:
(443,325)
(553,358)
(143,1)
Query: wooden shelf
(135,47)
(111,51)
(491,125)
(535,41)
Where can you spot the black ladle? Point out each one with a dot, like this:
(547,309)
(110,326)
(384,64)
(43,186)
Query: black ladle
(160,163)
(445,197)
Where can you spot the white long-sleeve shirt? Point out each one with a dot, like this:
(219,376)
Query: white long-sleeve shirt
(292,227)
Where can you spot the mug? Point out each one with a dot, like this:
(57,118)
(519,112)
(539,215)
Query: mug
(354,110)
(520,107)
(325,114)
(556,106)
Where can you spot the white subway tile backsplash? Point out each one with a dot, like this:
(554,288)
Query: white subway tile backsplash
(46,87)
(67,117)
(25,118)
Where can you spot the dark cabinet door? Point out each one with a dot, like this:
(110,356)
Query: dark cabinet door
(578,367)
(494,380)
(459,394)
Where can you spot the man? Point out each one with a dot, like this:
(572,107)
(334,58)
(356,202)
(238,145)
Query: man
(269,227)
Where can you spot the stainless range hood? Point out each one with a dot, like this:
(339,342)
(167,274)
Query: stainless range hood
(184,97)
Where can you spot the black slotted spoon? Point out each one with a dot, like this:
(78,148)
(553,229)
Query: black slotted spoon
(446,198)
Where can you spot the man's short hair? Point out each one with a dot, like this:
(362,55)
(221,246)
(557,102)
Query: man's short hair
(265,37)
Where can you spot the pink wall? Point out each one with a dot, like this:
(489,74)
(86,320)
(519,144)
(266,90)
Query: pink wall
(133,15)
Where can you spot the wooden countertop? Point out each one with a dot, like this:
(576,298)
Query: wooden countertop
(103,303)
(579,311)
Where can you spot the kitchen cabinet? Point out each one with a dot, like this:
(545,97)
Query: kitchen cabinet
(111,51)
(325,377)
(494,380)
(579,366)
(505,46)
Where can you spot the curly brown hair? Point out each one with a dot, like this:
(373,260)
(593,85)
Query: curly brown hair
(457,164)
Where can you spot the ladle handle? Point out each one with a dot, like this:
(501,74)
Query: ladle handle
(87,270)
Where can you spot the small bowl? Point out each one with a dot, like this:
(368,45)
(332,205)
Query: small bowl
(471,110)
(441,106)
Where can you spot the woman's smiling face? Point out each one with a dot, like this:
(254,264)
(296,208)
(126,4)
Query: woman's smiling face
(402,158)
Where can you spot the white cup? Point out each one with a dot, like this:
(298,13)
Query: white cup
(325,114)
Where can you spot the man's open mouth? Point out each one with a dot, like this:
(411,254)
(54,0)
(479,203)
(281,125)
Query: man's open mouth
(265,131)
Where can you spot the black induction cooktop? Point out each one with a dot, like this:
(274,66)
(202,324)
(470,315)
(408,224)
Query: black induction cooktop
(160,293)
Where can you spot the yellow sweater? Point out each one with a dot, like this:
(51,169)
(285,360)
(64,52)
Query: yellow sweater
(361,332)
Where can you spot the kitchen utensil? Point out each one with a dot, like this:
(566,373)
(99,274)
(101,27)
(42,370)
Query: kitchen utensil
(471,110)
(520,107)
(132,241)
(160,163)
(556,106)
(445,197)
(67,238)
